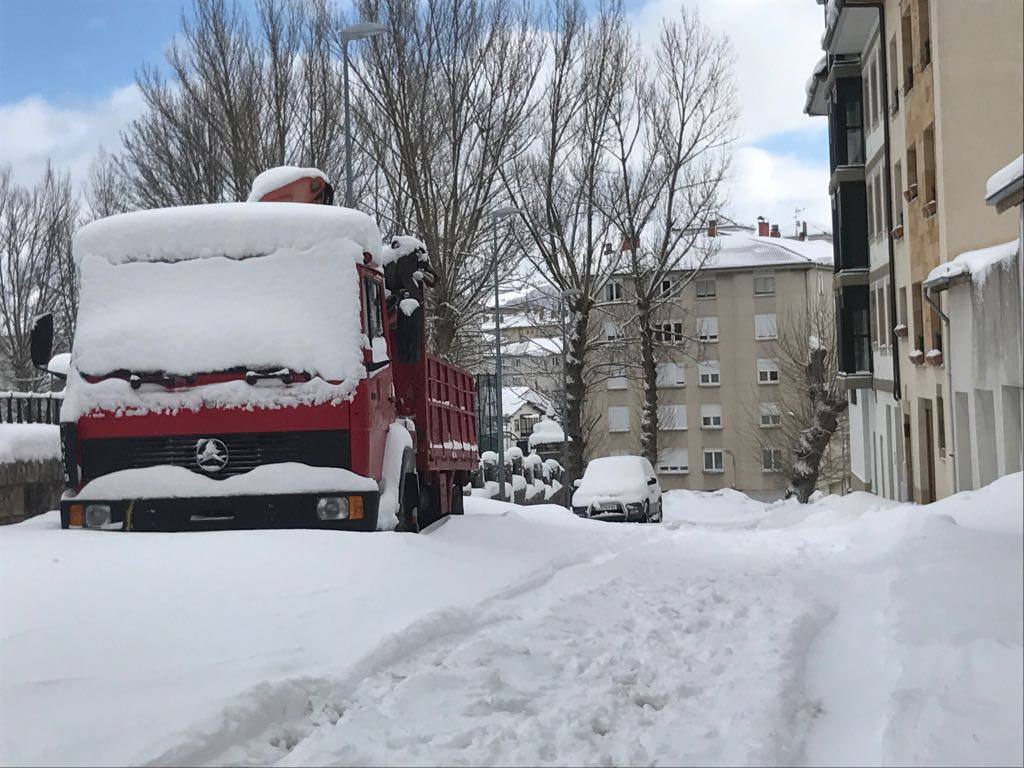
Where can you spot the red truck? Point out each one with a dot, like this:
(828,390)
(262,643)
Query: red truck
(256,365)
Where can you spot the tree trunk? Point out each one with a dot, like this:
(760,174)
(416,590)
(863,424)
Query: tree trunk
(649,424)
(575,396)
(811,444)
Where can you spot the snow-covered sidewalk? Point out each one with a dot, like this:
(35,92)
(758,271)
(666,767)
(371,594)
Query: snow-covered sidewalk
(847,631)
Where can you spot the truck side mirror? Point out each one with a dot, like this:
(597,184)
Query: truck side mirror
(652,480)
(41,344)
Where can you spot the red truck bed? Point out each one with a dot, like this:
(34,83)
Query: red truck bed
(450,423)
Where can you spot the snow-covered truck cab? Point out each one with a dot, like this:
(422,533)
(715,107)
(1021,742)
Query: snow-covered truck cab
(232,368)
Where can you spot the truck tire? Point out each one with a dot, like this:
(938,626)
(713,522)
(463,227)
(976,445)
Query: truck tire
(429,506)
(409,496)
(458,506)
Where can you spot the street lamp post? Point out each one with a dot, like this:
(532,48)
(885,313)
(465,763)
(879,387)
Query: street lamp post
(358,31)
(499,213)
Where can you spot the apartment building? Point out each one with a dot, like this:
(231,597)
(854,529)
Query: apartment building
(718,401)
(923,99)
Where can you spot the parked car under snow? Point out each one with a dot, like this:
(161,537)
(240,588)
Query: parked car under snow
(619,488)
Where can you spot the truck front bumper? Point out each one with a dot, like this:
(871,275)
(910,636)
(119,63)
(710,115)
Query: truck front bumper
(224,513)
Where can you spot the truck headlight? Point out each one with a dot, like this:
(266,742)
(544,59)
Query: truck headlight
(332,508)
(97,515)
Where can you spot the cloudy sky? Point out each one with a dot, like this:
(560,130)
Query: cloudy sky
(67,69)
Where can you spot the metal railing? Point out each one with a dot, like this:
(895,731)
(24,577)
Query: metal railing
(30,407)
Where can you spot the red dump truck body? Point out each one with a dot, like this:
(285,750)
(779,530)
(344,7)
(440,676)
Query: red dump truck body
(241,447)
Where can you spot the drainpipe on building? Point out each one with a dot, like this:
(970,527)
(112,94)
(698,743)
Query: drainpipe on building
(949,377)
(893,339)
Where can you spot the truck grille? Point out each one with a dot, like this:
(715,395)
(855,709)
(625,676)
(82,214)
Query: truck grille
(321,448)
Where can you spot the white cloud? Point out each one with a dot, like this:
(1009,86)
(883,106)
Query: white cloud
(775,186)
(776,45)
(35,130)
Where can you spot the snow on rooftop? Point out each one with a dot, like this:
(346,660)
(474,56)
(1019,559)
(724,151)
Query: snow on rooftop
(975,264)
(514,398)
(275,178)
(735,250)
(1004,177)
(233,230)
(540,347)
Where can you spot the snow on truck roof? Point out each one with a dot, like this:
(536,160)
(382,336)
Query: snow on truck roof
(232,230)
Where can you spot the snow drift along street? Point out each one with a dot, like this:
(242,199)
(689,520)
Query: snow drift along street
(849,630)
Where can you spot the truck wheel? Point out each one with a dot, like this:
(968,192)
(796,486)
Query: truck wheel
(409,496)
(430,505)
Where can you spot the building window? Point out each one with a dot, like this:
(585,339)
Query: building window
(618,381)
(714,460)
(911,173)
(618,419)
(668,332)
(871,209)
(525,424)
(764,284)
(907,44)
(672,417)
(771,415)
(668,285)
(771,459)
(873,315)
(765,327)
(670,376)
(707,329)
(924,43)
(710,373)
(928,152)
(613,291)
(879,207)
(897,198)
(940,417)
(612,331)
(706,288)
(711,417)
(915,293)
(767,371)
(674,461)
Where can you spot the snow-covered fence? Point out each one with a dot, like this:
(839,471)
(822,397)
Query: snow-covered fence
(30,470)
(528,479)
(30,407)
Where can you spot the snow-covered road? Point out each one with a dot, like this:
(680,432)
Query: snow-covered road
(850,631)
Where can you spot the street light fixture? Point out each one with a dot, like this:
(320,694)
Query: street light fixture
(499,213)
(359,31)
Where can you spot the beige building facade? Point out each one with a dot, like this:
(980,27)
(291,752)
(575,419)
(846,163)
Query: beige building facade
(719,397)
(924,101)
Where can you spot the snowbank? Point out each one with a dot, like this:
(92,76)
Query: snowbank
(275,178)
(976,264)
(232,230)
(29,442)
(167,482)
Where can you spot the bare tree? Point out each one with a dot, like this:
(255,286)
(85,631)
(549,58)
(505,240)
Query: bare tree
(106,191)
(556,186)
(36,225)
(444,100)
(791,430)
(673,124)
(240,100)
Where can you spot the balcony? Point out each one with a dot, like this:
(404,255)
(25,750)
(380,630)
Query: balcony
(850,227)
(854,336)
(845,117)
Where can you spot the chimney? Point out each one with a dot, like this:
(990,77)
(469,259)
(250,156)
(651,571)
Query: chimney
(803,231)
(775,231)
(762,226)
(712,227)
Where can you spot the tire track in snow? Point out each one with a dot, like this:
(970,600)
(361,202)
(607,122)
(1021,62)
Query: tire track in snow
(268,720)
(653,656)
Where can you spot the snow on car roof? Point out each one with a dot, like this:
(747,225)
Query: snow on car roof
(232,230)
